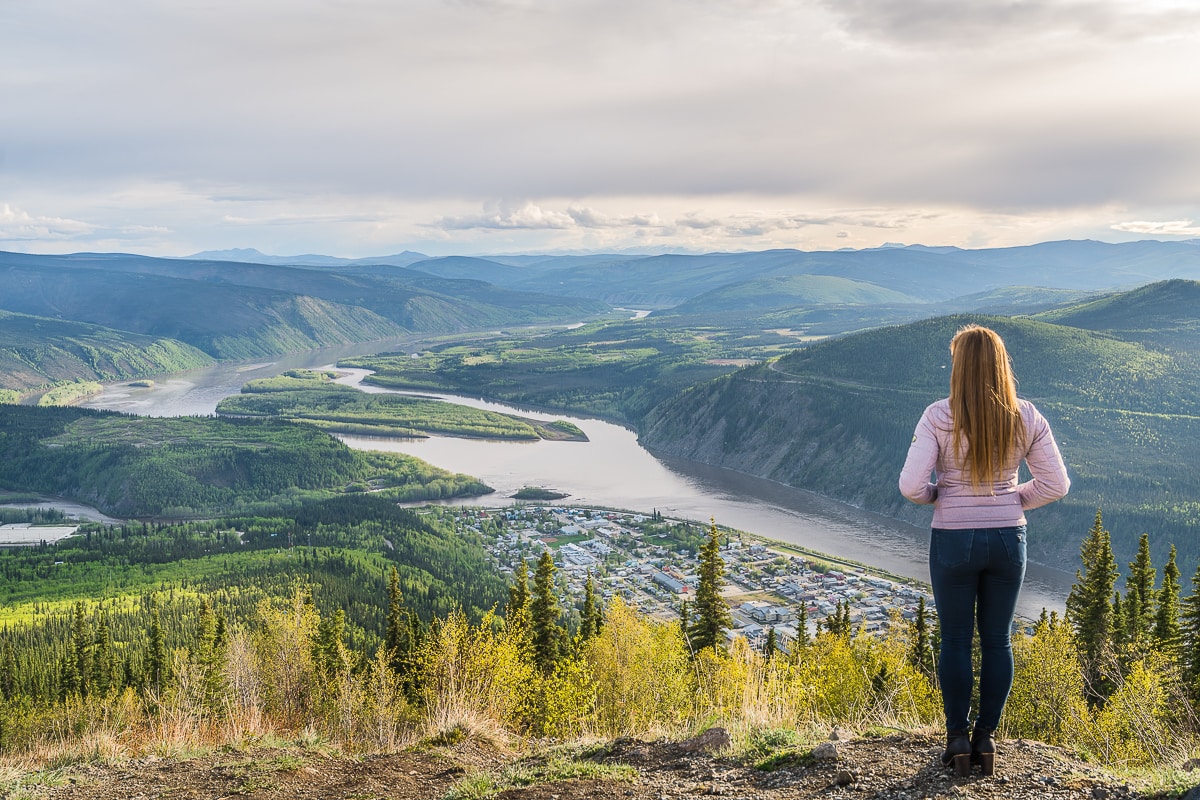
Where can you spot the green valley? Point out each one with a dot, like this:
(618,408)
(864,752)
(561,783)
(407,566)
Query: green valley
(276,585)
(615,370)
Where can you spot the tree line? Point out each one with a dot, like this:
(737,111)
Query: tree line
(533,661)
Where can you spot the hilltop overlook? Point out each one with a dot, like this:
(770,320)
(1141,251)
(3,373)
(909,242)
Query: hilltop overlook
(883,766)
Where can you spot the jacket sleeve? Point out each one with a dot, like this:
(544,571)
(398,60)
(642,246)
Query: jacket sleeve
(918,466)
(1049,474)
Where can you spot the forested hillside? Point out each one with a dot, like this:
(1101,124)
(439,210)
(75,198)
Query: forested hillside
(239,311)
(35,351)
(1161,314)
(226,322)
(188,466)
(837,416)
(130,595)
(788,291)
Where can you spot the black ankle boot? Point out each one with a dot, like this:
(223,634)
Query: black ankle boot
(983,750)
(958,753)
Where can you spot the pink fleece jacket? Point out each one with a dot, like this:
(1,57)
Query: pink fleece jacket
(1004,502)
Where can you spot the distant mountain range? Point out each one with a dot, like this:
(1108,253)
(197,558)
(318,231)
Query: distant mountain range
(926,274)
(248,255)
(246,304)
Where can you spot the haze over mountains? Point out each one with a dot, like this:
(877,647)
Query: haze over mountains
(927,273)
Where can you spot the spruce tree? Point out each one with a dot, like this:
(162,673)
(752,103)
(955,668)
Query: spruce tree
(1140,597)
(543,615)
(1089,609)
(207,654)
(1166,620)
(156,650)
(838,623)
(516,613)
(712,617)
(1191,637)
(8,671)
(589,617)
(418,633)
(921,654)
(206,633)
(802,639)
(78,678)
(403,637)
(1120,626)
(397,618)
(102,658)
(332,655)
(771,644)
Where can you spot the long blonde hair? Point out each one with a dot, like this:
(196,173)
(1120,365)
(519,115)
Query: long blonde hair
(983,403)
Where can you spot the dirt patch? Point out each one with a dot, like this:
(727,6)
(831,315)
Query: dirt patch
(269,775)
(899,767)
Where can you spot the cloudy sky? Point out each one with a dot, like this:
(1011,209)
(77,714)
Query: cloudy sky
(365,127)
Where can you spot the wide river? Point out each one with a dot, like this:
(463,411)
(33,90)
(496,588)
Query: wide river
(610,470)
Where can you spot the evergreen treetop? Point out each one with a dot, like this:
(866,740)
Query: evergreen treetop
(543,608)
(710,612)
(1089,608)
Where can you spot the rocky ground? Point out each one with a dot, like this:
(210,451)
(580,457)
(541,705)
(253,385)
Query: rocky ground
(897,767)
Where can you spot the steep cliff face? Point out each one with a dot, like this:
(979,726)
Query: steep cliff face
(822,438)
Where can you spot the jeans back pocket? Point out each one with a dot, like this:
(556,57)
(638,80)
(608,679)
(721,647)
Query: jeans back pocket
(950,548)
(1014,544)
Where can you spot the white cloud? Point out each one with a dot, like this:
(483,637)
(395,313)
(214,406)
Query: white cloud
(686,226)
(18,225)
(526,216)
(1178,227)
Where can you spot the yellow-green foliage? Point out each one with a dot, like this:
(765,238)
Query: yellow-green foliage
(643,673)
(283,648)
(860,681)
(68,393)
(9,396)
(474,677)
(1140,724)
(1047,696)
(280,673)
(1143,723)
(562,703)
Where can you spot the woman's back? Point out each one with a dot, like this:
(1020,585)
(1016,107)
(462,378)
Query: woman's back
(996,502)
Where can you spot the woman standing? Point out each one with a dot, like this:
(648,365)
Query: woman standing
(974,442)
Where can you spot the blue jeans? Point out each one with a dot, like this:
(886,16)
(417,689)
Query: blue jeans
(976,576)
